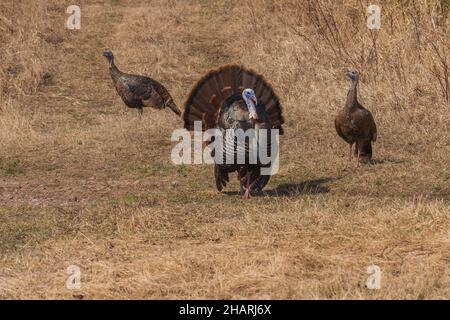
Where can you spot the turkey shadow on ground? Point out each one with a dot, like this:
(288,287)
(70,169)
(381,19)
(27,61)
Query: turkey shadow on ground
(375,162)
(315,186)
(382,161)
(294,189)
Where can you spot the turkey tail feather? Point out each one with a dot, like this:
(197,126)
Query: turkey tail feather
(173,107)
(217,85)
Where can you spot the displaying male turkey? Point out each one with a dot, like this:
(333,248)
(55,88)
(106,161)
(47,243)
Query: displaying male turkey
(139,91)
(232,98)
(355,124)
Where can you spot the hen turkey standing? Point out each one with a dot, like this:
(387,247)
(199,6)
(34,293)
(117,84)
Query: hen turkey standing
(139,91)
(355,124)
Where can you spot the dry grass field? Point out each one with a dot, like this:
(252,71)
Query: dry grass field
(84,182)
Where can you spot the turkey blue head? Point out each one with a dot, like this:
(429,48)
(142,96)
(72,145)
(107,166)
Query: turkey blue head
(109,55)
(353,75)
(250,100)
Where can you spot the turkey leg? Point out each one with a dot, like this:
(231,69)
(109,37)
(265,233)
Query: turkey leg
(357,160)
(247,194)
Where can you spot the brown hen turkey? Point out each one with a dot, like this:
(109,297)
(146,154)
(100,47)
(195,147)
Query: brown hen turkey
(139,91)
(355,124)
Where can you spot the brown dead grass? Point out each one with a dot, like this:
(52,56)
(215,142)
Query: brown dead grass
(83,182)
(23,46)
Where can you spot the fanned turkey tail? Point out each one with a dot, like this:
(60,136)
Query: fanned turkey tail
(204,101)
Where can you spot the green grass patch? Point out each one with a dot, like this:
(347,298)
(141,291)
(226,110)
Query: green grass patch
(11,168)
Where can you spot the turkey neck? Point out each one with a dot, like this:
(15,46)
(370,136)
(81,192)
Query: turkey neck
(115,72)
(352,96)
